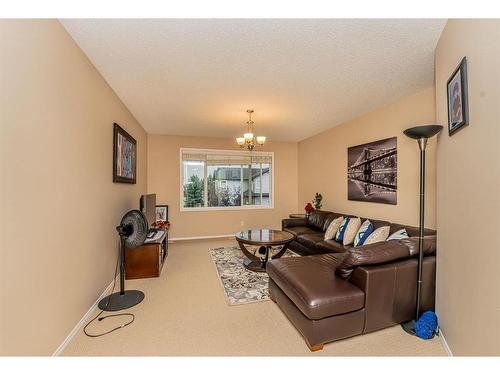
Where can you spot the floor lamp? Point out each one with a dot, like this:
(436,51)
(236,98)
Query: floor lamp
(421,134)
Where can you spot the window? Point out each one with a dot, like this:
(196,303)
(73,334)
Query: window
(213,179)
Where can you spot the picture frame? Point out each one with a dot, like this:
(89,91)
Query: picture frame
(161,212)
(458,95)
(124,156)
(372,170)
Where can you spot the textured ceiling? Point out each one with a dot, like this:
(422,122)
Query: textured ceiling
(301,76)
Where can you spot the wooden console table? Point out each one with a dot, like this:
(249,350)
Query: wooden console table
(146,260)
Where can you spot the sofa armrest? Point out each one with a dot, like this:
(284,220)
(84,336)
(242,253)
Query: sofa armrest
(412,244)
(383,252)
(376,253)
(293,222)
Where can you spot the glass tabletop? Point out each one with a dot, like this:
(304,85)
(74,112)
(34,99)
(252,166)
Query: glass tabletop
(264,236)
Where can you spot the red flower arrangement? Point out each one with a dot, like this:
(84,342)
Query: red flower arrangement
(160,224)
(309,208)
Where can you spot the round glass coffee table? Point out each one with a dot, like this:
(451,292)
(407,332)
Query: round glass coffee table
(269,243)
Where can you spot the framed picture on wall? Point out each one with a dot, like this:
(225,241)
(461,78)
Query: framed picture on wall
(458,106)
(372,172)
(124,156)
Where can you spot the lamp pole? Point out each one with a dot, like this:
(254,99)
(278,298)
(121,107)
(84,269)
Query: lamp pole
(421,134)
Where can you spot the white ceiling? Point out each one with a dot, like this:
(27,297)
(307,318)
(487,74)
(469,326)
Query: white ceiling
(301,76)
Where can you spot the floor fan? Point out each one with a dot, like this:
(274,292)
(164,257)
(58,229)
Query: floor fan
(132,230)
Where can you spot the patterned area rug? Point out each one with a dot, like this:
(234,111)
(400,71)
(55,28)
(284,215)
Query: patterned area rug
(240,285)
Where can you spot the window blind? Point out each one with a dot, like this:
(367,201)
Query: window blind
(226,159)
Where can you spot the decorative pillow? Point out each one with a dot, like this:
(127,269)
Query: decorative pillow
(398,235)
(351,230)
(364,231)
(339,237)
(333,228)
(379,234)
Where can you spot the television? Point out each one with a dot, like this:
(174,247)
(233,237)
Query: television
(148,207)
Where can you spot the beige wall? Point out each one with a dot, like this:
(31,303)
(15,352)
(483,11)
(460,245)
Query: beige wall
(468,273)
(323,161)
(58,204)
(164,180)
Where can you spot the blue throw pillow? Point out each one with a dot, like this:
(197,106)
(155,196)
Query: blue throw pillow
(363,233)
(398,235)
(340,233)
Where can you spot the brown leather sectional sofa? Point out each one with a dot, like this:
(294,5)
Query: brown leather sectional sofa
(345,291)
(309,232)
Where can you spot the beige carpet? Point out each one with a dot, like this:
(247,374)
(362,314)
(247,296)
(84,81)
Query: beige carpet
(185,313)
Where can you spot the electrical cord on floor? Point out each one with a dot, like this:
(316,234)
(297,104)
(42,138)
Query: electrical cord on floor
(98,316)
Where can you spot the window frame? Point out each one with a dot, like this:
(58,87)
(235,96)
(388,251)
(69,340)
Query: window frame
(205,184)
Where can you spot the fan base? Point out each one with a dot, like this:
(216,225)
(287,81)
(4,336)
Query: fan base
(117,301)
(409,327)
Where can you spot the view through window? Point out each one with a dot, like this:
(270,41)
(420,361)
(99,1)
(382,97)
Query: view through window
(218,179)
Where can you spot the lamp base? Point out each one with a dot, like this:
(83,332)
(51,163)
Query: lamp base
(409,327)
(117,301)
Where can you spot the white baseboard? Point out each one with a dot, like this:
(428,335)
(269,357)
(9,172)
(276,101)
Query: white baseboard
(444,343)
(201,237)
(82,321)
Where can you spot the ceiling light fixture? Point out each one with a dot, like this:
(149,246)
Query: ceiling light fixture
(248,140)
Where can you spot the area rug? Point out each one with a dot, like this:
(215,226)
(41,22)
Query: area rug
(240,285)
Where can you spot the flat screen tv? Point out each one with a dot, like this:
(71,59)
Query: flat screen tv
(148,207)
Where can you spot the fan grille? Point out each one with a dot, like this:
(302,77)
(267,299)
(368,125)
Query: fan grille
(137,226)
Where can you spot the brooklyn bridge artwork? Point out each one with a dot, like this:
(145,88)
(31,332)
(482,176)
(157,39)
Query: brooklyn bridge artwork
(372,170)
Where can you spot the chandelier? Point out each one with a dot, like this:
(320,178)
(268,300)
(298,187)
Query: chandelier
(248,140)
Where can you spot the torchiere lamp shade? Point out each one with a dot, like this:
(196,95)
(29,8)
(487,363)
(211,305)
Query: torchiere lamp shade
(423,131)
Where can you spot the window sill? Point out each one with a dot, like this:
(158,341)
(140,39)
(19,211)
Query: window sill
(238,208)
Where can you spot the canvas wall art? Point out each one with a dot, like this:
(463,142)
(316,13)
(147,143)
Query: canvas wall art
(124,156)
(372,170)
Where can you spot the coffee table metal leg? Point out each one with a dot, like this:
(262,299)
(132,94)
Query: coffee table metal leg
(281,252)
(260,264)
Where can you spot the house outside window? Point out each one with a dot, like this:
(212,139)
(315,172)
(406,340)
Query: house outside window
(218,179)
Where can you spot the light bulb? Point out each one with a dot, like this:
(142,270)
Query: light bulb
(248,137)
(261,140)
(240,141)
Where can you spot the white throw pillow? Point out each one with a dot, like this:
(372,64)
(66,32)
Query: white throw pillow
(333,227)
(378,235)
(398,235)
(351,230)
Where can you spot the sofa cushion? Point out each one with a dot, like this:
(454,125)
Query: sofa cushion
(332,246)
(333,227)
(363,232)
(378,235)
(351,230)
(340,232)
(329,219)
(318,218)
(310,239)
(311,284)
(298,231)
(398,235)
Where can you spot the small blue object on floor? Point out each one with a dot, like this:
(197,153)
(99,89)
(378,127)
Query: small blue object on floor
(426,326)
